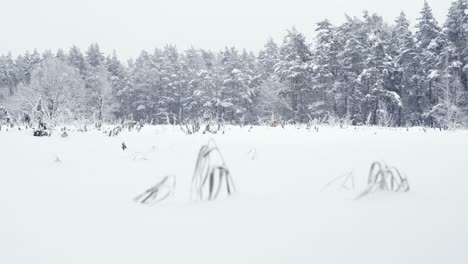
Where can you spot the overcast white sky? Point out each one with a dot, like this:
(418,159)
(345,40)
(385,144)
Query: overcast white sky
(132,25)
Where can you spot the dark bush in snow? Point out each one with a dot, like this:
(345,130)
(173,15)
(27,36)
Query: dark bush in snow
(42,131)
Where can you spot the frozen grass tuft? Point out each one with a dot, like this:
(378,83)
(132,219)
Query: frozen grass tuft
(139,156)
(211,174)
(385,178)
(190,128)
(161,191)
(252,153)
(345,182)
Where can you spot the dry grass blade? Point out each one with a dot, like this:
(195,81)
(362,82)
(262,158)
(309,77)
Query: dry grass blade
(211,174)
(159,192)
(345,181)
(139,156)
(191,127)
(252,153)
(385,178)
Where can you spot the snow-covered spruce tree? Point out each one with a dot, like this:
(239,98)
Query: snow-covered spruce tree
(456,51)
(456,31)
(379,79)
(234,97)
(143,94)
(120,82)
(201,81)
(60,55)
(175,85)
(250,97)
(25,64)
(47,54)
(404,53)
(270,106)
(8,78)
(294,69)
(77,60)
(169,98)
(191,64)
(268,57)
(201,77)
(99,99)
(352,43)
(329,91)
(430,43)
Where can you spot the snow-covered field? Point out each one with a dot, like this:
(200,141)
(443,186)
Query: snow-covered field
(81,210)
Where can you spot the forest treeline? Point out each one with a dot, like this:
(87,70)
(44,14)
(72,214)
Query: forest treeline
(365,72)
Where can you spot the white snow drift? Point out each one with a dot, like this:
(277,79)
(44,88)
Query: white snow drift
(71,200)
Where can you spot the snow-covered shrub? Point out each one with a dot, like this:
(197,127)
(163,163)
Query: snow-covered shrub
(41,133)
(4,115)
(448,113)
(159,192)
(64,132)
(210,174)
(385,178)
(58,90)
(5,118)
(209,126)
(114,131)
(252,153)
(42,130)
(213,127)
(191,127)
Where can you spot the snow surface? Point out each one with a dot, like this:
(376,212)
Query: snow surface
(70,200)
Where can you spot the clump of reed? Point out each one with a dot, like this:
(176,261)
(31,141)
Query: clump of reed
(385,178)
(159,192)
(211,177)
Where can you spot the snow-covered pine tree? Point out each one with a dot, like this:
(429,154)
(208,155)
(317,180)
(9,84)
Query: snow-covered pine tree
(119,82)
(378,79)
(330,93)
(76,59)
(268,58)
(352,41)
(253,78)
(192,66)
(293,69)
(142,94)
(270,106)
(405,52)
(455,29)
(173,85)
(99,99)
(60,55)
(429,43)
(235,93)
(8,72)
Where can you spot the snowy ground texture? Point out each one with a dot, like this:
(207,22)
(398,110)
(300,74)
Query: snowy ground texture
(81,210)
